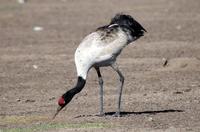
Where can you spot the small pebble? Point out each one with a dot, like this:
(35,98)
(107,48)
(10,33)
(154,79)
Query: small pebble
(164,61)
(150,119)
(37,28)
(30,101)
(18,100)
(178,92)
(35,66)
(22,1)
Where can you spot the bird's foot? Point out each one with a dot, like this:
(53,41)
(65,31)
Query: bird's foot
(117,114)
(101,114)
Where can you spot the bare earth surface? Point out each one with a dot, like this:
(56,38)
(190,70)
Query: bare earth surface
(37,67)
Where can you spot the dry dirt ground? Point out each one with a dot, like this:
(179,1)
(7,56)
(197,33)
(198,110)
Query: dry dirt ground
(37,67)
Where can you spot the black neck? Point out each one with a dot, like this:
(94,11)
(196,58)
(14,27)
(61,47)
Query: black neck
(70,94)
(79,85)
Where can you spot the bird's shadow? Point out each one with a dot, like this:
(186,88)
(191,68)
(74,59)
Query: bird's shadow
(125,113)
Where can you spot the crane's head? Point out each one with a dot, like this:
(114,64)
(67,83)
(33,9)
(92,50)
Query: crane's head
(61,105)
(67,97)
(63,101)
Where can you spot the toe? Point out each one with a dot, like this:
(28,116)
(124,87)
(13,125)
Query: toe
(117,114)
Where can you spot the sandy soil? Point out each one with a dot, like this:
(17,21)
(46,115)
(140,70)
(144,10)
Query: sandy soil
(36,67)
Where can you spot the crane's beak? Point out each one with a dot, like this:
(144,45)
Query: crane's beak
(57,111)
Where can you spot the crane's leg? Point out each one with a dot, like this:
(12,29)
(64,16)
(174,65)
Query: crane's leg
(100,90)
(121,77)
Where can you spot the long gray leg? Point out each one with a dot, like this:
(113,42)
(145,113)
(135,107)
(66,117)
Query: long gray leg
(121,77)
(100,90)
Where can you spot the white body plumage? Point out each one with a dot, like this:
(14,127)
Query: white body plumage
(98,52)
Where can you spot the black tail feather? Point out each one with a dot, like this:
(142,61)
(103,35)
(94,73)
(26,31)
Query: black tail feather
(129,22)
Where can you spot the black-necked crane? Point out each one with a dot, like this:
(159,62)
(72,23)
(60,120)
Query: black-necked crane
(99,49)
